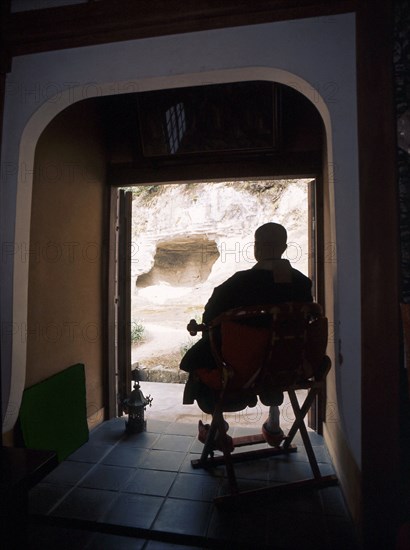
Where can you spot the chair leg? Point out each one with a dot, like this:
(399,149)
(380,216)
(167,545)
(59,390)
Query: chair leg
(226,450)
(218,428)
(300,413)
(207,457)
(208,449)
(303,411)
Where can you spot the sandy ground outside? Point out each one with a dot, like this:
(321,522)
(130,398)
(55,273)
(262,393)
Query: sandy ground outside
(165,334)
(159,340)
(164,330)
(167,406)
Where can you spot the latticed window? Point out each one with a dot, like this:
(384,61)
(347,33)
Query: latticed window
(176,126)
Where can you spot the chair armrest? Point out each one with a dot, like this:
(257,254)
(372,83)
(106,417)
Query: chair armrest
(193,327)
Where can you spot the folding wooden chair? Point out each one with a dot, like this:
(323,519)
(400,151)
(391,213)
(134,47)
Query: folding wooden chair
(259,349)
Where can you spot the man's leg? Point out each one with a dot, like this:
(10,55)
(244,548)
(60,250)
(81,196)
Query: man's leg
(271,430)
(273,421)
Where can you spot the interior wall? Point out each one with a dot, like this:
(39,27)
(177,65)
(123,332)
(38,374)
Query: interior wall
(321,64)
(65,317)
(347,469)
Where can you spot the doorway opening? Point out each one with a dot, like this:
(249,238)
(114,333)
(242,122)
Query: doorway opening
(187,238)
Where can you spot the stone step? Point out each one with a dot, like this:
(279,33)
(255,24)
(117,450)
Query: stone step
(161,374)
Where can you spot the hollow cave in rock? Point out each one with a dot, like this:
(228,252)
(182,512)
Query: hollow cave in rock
(183,261)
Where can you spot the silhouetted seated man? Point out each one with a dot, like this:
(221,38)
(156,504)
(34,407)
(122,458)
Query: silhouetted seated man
(271,280)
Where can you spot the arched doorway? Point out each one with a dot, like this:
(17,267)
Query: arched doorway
(34,127)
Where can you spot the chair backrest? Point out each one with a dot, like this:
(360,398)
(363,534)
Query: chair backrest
(276,345)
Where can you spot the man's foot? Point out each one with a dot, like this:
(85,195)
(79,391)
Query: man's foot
(203,430)
(274,439)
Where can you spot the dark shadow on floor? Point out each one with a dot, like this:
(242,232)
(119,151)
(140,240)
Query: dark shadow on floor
(121,491)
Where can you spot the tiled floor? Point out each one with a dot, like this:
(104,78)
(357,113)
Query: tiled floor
(124,492)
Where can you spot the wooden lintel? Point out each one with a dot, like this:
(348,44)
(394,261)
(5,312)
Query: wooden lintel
(110,21)
(297,165)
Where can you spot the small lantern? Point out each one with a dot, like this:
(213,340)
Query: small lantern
(135,406)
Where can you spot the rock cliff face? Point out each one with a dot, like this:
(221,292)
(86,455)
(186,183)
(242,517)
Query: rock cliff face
(188,238)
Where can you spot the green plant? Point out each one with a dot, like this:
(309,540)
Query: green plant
(137,332)
(144,193)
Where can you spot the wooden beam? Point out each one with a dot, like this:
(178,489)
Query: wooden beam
(292,165)
(109,21)
(110,300)
(379,275)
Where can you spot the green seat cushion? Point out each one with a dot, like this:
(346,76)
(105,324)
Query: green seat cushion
(53,414)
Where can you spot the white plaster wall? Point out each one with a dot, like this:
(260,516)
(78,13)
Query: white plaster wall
(315,56)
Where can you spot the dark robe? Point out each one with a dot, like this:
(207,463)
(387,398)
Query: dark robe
(268,282)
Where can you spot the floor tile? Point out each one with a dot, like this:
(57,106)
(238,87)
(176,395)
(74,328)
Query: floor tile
(158,545)
(109,432)
(286,469)
(196,446)
(254,447)
(244,429)
(44,496)
(109,478)
(191,487)
(314,437)
(241,526)
(150,482)
(301,502)
(90,452)
(179,428)
(68,473)
(163,460)
(300,455)
(86,504)
(49,537)
(134,510)
(186,467)
(125,456)
(102,541)
(184,517)
(143,440)
(326,469)
(146,481)
(333,502)
(157,426)
(168,442)
(252,469)
(243,485)
(289,529)
(321,454)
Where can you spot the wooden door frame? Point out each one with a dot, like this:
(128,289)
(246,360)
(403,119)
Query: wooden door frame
(380,257)
(121,355)
(111,378)
(317,412)
(119,302)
